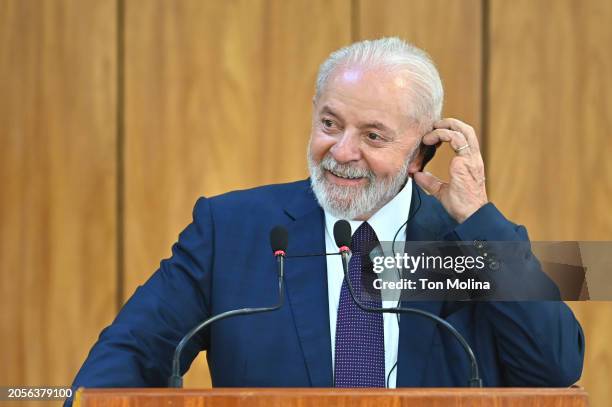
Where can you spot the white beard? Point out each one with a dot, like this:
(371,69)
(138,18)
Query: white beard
(353,202)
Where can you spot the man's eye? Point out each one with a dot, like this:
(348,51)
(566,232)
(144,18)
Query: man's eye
(327,123)
(374,137)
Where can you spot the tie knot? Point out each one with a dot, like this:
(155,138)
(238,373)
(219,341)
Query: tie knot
(364,239)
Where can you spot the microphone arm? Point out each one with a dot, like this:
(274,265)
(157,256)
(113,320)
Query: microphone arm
(475,380)
(176,380)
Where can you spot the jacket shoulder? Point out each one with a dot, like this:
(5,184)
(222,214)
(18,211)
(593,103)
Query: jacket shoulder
(268,194)
(261,200)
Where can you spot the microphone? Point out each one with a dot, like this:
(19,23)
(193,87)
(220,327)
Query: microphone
(342,236)
(278,241)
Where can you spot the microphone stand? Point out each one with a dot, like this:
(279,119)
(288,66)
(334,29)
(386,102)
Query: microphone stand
(176,380)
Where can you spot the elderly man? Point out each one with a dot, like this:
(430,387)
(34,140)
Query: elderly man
(376,119)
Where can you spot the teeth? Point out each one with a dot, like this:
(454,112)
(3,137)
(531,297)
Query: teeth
(343,176)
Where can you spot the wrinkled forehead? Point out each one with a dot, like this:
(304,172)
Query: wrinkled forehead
(370,88)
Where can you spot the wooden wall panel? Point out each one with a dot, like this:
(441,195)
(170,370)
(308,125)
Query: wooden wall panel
(550,111)
(57,177)
(217,97)
(549,145)
(451,32)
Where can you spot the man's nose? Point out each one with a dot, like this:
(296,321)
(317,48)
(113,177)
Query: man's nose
(347,148)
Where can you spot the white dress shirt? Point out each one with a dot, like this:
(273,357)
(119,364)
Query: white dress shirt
(385,223)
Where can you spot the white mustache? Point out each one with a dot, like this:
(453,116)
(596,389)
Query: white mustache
(346,170)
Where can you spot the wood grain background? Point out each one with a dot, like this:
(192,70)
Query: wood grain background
(58,188)
(115,115)
(548,148)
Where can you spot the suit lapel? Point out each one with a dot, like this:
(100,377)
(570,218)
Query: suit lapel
(306,282)
(416,332)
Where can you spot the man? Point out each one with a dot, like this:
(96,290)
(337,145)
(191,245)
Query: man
(376,116)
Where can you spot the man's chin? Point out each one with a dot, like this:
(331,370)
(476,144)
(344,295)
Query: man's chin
(341,200)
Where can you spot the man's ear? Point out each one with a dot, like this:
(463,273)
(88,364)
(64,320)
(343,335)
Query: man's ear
(417,162)
(424,155)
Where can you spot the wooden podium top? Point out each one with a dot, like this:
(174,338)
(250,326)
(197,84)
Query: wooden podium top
(306,397)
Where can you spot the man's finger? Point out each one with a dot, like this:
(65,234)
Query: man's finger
(457,140)
(463,128)
(429,183)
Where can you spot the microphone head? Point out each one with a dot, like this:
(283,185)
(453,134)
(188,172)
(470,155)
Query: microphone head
(342,233)
(279,239)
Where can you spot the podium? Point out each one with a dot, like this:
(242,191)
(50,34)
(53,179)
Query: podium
(321,397)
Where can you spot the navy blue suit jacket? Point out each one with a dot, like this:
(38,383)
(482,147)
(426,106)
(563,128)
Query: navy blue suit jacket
(223,261)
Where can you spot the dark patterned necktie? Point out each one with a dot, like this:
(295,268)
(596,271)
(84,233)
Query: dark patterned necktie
(360,342)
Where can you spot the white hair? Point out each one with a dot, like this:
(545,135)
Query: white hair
(396,55)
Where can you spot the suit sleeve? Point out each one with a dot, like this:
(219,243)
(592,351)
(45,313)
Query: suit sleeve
(136,349)
(539,343)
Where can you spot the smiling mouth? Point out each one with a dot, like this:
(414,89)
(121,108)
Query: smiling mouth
(343,176)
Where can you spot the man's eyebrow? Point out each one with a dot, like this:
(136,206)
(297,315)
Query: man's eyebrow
(369,125)
(375,125)
(328,110)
